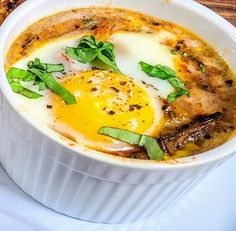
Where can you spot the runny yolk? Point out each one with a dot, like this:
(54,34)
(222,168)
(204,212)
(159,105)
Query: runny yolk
(103,99)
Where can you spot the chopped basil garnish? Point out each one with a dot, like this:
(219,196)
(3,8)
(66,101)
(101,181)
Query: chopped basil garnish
(42,86)
(54,86)
(149,143)
(41,75)
(15,76)
(46,67)
(17,88)
(192,57)
(90,49)
(166,73)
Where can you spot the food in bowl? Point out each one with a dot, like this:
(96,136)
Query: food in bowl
(79,181)
(123,83)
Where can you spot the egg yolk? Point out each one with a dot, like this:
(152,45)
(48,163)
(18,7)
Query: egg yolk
(103,99)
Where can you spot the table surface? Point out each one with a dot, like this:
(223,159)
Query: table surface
(226,8)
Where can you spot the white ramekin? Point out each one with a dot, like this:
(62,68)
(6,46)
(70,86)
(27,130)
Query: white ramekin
(86,184)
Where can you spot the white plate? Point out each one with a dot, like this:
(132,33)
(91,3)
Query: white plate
(210,206)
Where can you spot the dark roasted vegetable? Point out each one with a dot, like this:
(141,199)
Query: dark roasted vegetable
(192,132)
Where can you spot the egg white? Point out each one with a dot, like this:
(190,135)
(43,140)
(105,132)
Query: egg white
(131,48)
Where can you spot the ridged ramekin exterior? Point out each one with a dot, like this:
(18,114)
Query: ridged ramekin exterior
(56,178)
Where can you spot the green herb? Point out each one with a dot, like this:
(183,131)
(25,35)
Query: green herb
(48,68)
(87,21)
(45,67)
(54,86)
(89,49)
(192,57)
(174,95)
(41,74)
(18,88)
(15,76)
(149,143)
(42,86)
(44,78)
(166,73)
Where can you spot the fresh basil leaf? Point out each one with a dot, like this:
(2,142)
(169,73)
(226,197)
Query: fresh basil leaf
(166,73)
(173,96)
(90,49)
(54,86)
(105,59)
(29,94)
(37,81)
(42,86)
(162,72)
(86,55)
(152,147)
(176,83)
(123,135)
(18,88)
(40,83)
(70,51)
(149,143)
(49,68)
(35,64)
(29,78)
(88,42)
(14,74)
